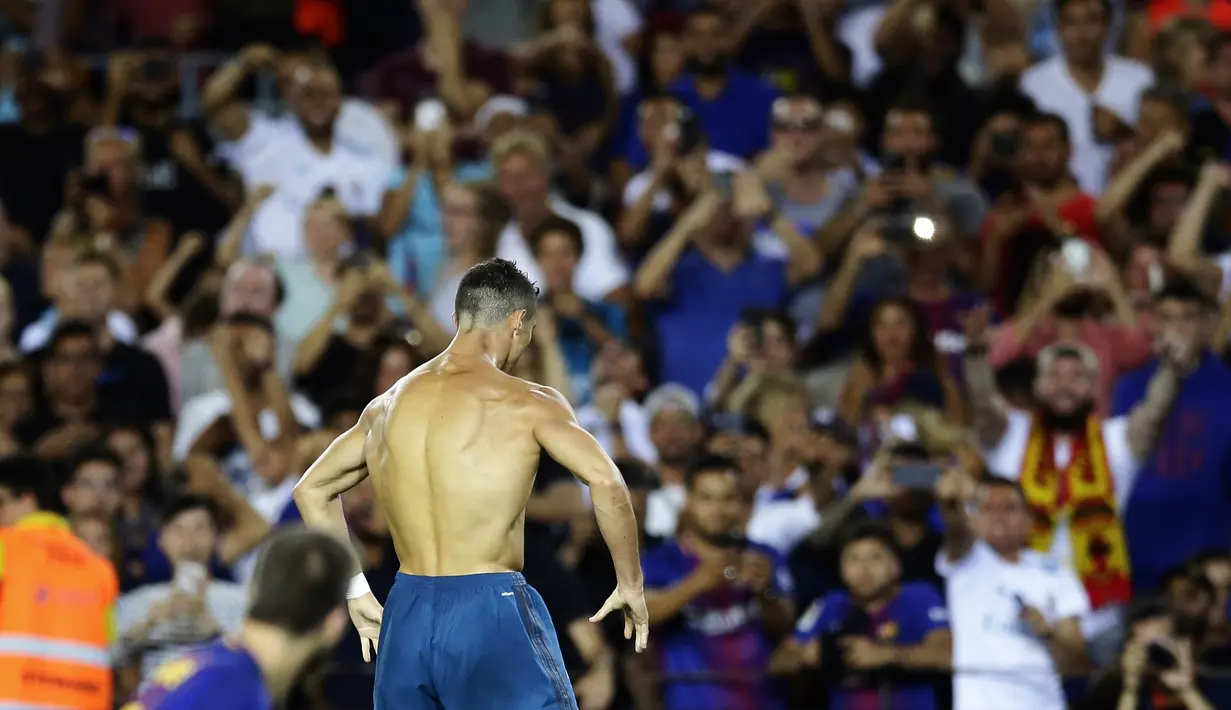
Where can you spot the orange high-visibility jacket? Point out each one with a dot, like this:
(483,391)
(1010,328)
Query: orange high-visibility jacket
(56,618)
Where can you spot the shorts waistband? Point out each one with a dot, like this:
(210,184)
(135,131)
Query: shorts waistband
(486,580)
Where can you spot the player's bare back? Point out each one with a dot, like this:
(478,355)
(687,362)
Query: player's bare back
(451,452)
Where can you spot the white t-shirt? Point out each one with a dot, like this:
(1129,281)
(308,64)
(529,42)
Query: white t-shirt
(998,663)
(601,269)
(1005,460)
(783,524)
(200,412)
(615,21)
(1054,91)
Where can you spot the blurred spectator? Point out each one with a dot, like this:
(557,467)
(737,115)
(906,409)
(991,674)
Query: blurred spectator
(522,173)
(158,621)
(710,584)
(874,640)
(676,433)
(1095,93)
(1017,626)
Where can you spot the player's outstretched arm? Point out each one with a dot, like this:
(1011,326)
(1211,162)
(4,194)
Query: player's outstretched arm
(557,431)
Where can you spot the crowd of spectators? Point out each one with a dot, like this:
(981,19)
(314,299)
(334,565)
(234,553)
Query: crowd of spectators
(905,321)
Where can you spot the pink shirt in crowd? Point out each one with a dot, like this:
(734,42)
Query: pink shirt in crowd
(1118,348)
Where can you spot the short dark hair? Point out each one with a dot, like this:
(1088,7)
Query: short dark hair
(491,291)
(637,475)
(993,481)
(556,225)
(28,475)
(871,530)
(1184,290)
(1044,118)
(709,464)
(185,503)
(315,565)
(69,329)
(92,453)
(1061,4)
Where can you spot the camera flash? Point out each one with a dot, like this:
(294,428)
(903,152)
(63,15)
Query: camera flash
(924,229)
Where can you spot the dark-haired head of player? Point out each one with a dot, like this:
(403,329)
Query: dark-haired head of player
(870,562)
(494,311)
(999,516)
(297,610)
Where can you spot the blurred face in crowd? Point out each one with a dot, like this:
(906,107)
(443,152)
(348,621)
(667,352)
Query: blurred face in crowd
(156,84)
(462,223)
(395,363)
(666,57)
(1044,155)
(676,433)
(1001,518)
(747,450)
(14,507)
(1218,571)
(523,181)
(94,531)
(325,231)
(90,292)
(557,256)
(797,129)
(318,100)
(72,368)
(252,349)
(705,41)
(94,489)
(15,397)
(777,347)
(1083,29)
(131,448)
(714,503)
(869,569)
(56,260)
(1192,602)
(1065,390)
(1137,272)
(909,134)
(249,287)
(893,331)
(1167,202)
(617,362)
(1181,319)
(189,537)
(785,416)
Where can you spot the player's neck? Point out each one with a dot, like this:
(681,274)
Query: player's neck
(474,344)
(280,659)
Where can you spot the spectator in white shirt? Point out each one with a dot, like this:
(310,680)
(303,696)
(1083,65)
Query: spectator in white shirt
(524,178)
(304,160)
(1087,87)
(676,431)
(83,289)
(1015,613)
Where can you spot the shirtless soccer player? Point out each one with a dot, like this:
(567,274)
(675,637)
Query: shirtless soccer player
(452,450)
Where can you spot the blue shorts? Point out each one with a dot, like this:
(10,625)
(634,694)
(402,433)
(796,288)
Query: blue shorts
(472,642)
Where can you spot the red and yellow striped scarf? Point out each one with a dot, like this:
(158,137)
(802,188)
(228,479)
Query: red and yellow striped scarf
(1084,495)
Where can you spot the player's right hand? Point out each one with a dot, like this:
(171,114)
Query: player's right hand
(365,614)
(636,616)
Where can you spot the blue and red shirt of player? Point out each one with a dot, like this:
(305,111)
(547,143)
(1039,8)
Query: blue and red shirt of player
(916,611)
(220,675)
(719,633)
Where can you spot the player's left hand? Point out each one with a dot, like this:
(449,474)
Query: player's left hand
(365,614)
(636,616)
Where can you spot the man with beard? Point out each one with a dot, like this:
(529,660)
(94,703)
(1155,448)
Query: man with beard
(281,637)
(1181,487)
(1076,469)
(1045,204)
(676,433)
(1018,626)
(734,107)
(873,638)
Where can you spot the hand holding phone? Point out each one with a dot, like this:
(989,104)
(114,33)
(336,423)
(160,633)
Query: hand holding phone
(429,115)
(917,475)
